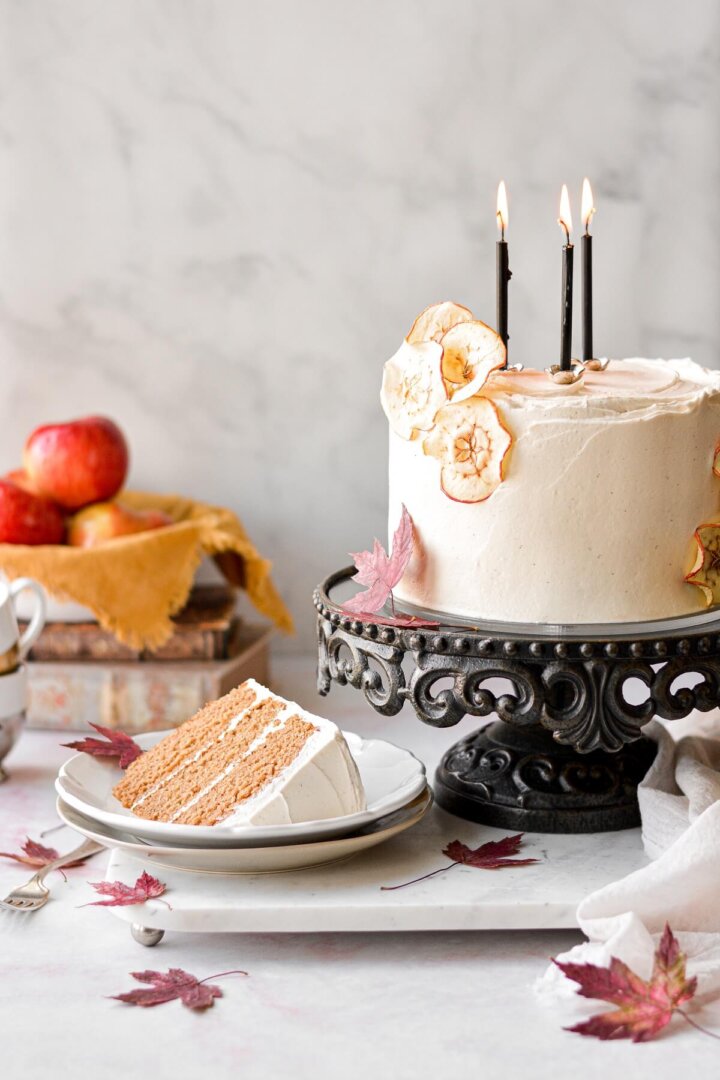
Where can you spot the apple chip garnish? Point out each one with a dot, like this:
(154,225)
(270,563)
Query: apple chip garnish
(470,443)
(435,321)
(413,389)
(471,352)
(705,571)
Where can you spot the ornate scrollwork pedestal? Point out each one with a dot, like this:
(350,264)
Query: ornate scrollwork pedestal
(567,753)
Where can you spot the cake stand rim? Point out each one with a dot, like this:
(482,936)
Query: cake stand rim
(644,636)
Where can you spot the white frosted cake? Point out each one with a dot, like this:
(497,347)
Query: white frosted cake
(535,502)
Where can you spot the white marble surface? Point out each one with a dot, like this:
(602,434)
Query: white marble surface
(350,896)
(218,218)
(405,1006)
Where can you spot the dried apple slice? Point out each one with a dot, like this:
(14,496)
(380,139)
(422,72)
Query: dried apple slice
(470,442)
(435,321)
(413,389)
(471,351)
(705,571)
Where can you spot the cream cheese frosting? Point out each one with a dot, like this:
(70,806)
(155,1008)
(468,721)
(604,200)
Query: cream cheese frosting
(603,487)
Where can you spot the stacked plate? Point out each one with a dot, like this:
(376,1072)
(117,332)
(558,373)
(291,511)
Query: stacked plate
(395,787)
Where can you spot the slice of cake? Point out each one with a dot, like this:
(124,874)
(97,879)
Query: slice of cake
(249,758)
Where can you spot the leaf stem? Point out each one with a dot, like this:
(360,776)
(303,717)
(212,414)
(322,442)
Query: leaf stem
(221,974)
(698,1027)
(440,870)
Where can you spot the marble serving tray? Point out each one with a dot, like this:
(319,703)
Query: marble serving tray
(348,896)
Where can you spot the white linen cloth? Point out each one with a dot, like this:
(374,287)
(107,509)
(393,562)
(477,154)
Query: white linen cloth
(680,810)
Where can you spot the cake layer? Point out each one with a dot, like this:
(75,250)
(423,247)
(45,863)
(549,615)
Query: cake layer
(602,490)
(249,758)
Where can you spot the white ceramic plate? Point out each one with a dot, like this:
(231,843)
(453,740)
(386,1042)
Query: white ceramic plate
(391,778)
(251,860)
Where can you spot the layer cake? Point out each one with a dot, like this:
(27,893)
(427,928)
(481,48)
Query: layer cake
(249,758)
(535,502)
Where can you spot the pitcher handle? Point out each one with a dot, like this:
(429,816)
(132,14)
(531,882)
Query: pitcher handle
(34,627)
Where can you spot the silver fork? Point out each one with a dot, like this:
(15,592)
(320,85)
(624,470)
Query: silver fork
(34,895)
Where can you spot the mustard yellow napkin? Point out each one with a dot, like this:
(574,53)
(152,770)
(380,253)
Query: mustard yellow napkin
(133,584)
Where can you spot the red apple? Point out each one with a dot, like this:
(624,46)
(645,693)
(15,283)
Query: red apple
(81,462)
(28,519)
(104,521)
(21,479)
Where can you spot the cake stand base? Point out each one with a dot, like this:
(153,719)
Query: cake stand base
(567,751)
(528,782)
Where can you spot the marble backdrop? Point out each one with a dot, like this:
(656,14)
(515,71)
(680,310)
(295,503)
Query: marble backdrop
(218,217)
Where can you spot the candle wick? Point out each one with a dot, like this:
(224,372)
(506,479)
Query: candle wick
(563,225)
(501,223)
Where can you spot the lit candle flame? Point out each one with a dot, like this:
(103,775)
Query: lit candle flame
(565,219)
(502,209)
(587,205)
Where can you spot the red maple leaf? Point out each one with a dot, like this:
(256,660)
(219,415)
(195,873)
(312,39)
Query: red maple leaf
(175,983)
(493,855)
(37,856)
(145,888)
(380,571)
(118,745)
(644,1007)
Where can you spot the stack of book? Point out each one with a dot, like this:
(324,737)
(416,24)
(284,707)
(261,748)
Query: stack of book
(80,673)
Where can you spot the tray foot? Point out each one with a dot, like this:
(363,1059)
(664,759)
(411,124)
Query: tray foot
(522,779)
(145,935)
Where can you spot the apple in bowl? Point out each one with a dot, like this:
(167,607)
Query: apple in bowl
(105,521)
(26,518)
(74,464)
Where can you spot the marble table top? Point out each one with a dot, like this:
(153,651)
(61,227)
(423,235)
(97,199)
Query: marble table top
(390,1005)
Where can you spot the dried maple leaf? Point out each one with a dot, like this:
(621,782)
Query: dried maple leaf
(493,855)
(175,983)
(380,571)
(644,1007)
(37,856)
(705,571)
(145,888)
(403,622)
(118,745)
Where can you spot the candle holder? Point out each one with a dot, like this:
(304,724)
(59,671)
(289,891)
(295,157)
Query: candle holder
(567,752)
(595,365)
(563,376)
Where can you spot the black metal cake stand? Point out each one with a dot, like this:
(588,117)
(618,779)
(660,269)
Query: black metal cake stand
(567,752)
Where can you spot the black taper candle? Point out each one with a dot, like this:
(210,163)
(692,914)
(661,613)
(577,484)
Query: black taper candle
(587,211)
(503,273)
(565,222)
(503,277)
(567,299)
(587,304)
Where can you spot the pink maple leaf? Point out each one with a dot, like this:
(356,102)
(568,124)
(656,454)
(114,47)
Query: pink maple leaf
(380,571)
(145,888)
